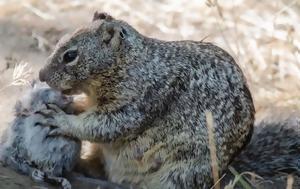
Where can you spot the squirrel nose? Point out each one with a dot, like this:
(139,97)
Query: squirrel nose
(42,75)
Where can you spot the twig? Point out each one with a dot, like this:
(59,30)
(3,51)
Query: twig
(239,178)
(38,12)
(212,148)
(290,182)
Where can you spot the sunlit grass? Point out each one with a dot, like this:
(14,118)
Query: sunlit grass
(20,76)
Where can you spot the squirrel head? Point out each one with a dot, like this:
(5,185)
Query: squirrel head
(89,51)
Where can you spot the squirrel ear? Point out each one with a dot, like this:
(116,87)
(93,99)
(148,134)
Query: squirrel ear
(102,16)
(113,34)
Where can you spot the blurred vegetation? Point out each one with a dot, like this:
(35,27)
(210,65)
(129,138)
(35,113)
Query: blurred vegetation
(263,36)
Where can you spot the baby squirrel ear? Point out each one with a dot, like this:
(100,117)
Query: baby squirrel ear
(113,34)
(102,16)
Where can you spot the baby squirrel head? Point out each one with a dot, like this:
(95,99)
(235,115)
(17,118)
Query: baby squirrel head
(36,98)
(89,51)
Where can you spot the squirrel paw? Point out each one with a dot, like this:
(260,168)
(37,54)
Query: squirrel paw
(38,175)
(65,184)
(57,119)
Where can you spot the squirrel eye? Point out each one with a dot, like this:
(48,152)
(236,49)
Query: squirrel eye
(69,56)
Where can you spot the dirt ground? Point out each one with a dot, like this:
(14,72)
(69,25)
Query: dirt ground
(264,38)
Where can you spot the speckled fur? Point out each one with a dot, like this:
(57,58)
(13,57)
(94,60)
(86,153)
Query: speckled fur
(149,101)
(270,141)
(27,146)
(273,152)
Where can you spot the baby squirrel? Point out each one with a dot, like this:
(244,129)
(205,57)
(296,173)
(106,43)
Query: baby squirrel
(149,99)
(26,146)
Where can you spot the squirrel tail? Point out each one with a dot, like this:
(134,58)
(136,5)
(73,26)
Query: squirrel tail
(273,153)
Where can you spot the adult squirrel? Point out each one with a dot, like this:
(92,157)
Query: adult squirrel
(149,99)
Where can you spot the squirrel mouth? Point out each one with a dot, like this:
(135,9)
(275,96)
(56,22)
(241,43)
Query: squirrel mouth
(67,92)
(70,91)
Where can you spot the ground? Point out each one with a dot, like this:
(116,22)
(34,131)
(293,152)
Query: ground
(12,180)
(263,37)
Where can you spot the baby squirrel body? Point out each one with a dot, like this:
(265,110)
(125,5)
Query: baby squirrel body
(26,146)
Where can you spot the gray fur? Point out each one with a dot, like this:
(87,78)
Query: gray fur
(27,147)
(149,101)
(275,146)
(273,153)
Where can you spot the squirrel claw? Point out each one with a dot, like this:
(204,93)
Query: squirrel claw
(50,111)
(47,122)
(45,113)
(54,108)
(38,175)
(57,132)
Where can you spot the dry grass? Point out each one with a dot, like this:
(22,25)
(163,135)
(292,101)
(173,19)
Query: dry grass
(20,76)
(263,36)
(238,178)
(212,149)
(290,181)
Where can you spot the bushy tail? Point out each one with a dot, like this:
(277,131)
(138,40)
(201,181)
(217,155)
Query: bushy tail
(273,153)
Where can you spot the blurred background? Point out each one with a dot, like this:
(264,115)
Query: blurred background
(262,36)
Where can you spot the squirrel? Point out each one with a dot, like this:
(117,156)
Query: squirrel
(25,145)
(149,99)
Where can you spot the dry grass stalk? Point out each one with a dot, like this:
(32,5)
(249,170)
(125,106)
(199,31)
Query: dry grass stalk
(238,178)
(212,147)
(38,12)
(20,76)
(219,180)
(290,181)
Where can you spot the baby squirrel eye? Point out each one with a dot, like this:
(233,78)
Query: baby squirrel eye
(69,56)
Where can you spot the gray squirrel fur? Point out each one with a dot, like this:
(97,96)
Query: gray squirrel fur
(26,146)
(149,99)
